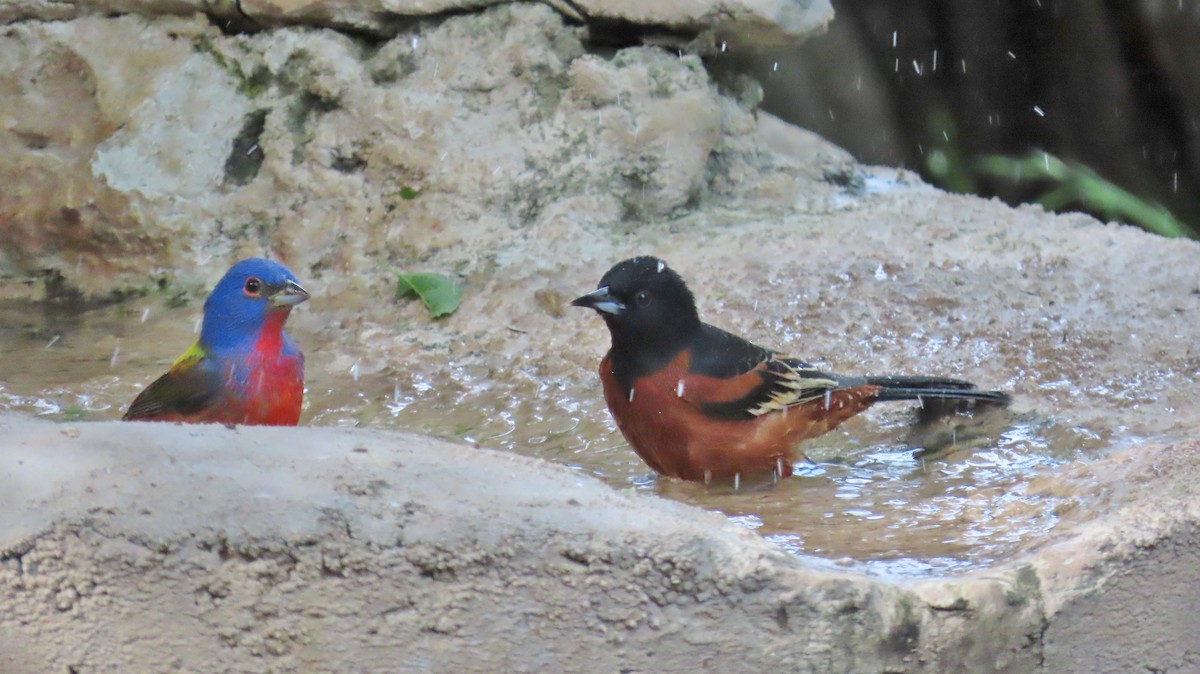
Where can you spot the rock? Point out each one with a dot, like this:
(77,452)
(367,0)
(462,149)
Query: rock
(274,549)
(151,151)
(750,21)
(368,153)
(753,21)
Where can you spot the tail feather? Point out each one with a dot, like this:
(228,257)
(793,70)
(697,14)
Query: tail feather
(920,394)
(934,388)
(893,381)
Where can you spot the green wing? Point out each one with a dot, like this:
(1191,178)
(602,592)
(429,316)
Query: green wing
(187,388)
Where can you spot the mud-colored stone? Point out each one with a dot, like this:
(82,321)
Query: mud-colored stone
(754,21)
(505,148)
(173,146)
(269,550)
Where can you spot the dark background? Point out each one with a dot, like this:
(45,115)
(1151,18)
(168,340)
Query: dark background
(1117,81)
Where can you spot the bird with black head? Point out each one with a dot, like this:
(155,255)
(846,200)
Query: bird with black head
(702,404)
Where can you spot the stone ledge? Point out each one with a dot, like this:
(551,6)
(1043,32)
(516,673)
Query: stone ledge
(139,547)
(752,21)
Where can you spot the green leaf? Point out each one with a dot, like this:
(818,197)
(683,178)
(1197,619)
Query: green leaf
(1077,183)
(439,293)
(408,193)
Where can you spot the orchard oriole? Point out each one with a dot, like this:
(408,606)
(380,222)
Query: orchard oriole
(702,404)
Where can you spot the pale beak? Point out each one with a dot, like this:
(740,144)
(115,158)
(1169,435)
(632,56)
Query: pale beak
(289,295)
(600,300)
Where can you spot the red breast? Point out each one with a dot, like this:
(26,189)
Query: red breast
(661,419)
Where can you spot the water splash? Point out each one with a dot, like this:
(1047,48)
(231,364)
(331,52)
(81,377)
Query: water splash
(869,496)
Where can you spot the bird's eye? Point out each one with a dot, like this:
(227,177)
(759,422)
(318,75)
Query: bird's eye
(252,286)
(643,298)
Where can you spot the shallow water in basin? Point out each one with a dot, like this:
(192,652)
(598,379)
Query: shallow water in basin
(867,500)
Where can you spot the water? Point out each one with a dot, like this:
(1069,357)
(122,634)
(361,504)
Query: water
(868,500)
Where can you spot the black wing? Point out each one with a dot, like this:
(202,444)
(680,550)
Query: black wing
(761,380)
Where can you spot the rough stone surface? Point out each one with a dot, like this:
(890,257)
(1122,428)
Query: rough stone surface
(754,21)
(148,547)
(137,144)
(1121,591)
(286,550)
(505,148)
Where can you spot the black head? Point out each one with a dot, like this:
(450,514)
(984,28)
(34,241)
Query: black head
(647,306)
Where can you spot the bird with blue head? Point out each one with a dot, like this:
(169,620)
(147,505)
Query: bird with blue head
(243,369)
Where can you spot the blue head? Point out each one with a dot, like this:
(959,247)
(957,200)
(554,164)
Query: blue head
(252,293)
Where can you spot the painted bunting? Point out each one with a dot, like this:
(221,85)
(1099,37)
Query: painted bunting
(699,403)
(244,369)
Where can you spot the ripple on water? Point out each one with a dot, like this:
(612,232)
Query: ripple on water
(878,495)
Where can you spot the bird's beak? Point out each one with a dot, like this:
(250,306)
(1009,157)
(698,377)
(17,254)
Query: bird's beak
(289,295)
(600,300)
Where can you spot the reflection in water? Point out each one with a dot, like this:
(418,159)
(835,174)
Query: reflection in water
(870,500)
